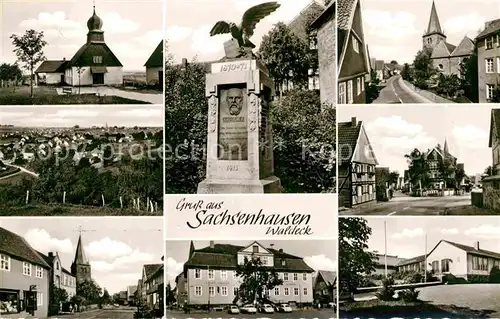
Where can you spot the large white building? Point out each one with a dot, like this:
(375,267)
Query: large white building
(209,276)
(93,64)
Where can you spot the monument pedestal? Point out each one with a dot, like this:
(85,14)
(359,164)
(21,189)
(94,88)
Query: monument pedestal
(239,139)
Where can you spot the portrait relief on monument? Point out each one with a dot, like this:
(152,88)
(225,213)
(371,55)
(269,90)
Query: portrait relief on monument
(233,117)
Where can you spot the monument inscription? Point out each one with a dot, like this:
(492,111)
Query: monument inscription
(233,131)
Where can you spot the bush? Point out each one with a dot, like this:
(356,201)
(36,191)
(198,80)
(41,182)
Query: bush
(409,295)
(413,278)
(495,275)
(386,293)
(478,279)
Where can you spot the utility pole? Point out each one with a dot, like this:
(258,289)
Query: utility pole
(385,248)
(425,260)
(208,285)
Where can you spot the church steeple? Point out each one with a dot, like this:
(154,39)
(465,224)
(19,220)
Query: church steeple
(81,267)
(445,148)
(80,257)
(434,33)
(94,24)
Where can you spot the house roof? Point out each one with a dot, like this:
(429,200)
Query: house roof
(434,25)
(443,49)
(151,270)
(347,139)
(52,66)
(85,55)
(18,248)
(491,27)
(50,261)
(226,256)
(494,126)
(472,250)
(330,277)
(410,261)
(300,24)
(392,261)
(156,58)
(324,16)
(345,11)
(80,257)
(465,47)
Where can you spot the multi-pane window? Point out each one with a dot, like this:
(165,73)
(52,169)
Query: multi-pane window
(305,291)
(350,96)
(285,276)
(4,262)
(342,93)
(211,291)
(26,269)
(276,291)
(197,291)
(39,272)
(445,265)
(97,59)
(295,291)
(435,266)
(223,291)
(295,277)
(223,274)
(490,90)
(304,276)
(287,291)
(255,249)
(355,44)
(236,291)
(211,275)
(197,274)
(489,42)
(498,64)
(489,65)
(479,263)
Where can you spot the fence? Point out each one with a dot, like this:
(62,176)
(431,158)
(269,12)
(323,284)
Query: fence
(137,203)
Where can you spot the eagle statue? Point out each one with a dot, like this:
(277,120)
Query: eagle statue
(242,33)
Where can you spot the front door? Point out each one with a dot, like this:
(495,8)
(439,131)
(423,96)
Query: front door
(98,78)
(161,80)
(62,78)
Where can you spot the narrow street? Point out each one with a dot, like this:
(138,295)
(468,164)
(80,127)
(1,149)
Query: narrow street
(395,93)
(406,205)
(307,314)
(119,313)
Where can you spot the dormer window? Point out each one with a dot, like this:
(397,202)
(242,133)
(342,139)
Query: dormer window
(255,249)
(97,59)
(283,262)
(489,42)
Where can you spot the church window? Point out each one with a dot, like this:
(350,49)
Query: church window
(358,86)
(350,97)
(429,41)
(489,91)
(489,43)
(355,44)
(342,95)
(489,65)
(97,59)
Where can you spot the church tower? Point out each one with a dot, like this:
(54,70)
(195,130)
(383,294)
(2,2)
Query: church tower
(95,34)
(434,33)
(81,267)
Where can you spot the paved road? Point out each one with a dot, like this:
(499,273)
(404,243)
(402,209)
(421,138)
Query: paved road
(395,93)
(146,97)
(101,314)
(310,314)
(24,170)
(406,205)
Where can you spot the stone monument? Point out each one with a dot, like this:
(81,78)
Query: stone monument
(239,139)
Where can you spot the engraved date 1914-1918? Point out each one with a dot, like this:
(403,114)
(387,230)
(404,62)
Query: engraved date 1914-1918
(231,168)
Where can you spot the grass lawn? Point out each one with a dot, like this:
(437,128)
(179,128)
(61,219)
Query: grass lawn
(398,309)
(48,95)
(468,210)
(71,210)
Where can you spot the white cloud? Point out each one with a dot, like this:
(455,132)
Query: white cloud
(393,25)
(286,12)
(15,115)
(449,231)
(320,262)
(151,38)
(470,136)
(394,126)
(484,231)
(55,25)
(74,113)
(176,33)
(202,42)
(114,23)
(41,240)
(128,50)
(108,248)
(409,233)
(146,113)
(173,268)
(456,24)
(133,258)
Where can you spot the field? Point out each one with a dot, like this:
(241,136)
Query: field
(71,210)
(48,95)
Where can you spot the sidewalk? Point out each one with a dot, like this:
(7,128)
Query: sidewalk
(423,95)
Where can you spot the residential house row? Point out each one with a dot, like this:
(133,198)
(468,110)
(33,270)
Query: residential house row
(150,289)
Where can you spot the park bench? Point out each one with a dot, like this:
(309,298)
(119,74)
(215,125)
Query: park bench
(67,90)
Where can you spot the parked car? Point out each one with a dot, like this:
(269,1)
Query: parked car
(266,308)
(248,309)
(284,308)
(233,310)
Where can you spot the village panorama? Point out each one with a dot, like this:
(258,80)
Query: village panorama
(81,170)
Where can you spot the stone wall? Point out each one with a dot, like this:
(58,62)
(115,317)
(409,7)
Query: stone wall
(327,58)
(450,65)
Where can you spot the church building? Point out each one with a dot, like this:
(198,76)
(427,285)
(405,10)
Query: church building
(81,268)
(446,57)
(93,64)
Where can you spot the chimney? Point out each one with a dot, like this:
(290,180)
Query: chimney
(212,244)
(51,254)
(354,122)
(476,245)
(64,59)
(271,245)
(281,250)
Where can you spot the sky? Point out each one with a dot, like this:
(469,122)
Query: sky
(395,131)
(84,116)
(116,250)
(132,29)
(406,236)
(188,24)
(393,28)
(318,254)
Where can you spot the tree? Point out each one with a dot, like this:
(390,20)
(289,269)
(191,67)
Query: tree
(29,50)
(355,260)
(418,170)
(459,176)
(448,85)
(10,72)
(373,88)
(105,298)
(59,297)
(494,276)
(468,75)
(255,278)
(447,170)
(423,68)
(169,295)
(286,56)
(406,73)
(490,171)
(393,178)
(394,62)
(90,291)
